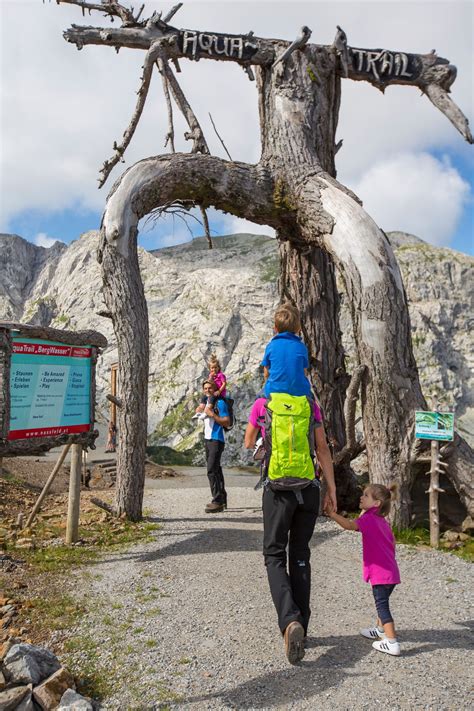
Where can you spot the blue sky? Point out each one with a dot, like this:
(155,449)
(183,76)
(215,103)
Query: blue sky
(400,154)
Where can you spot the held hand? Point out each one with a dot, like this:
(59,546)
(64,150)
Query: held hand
(330,502)
(209,411)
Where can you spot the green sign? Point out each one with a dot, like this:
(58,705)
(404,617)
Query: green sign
(434,425)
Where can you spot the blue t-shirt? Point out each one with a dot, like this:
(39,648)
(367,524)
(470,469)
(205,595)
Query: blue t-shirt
(286,356)
(211,429)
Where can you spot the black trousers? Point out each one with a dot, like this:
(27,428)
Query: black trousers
(381,596)
(289,524)
(214,450)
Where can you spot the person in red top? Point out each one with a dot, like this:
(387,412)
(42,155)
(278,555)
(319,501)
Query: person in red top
(380,567)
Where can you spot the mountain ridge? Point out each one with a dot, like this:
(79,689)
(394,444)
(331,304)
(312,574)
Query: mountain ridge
(222,300)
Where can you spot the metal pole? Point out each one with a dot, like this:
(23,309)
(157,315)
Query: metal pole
(434,495)
(46,487)
(72,527)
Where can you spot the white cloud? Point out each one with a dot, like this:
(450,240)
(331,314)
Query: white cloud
(62,109)
(415,193)
(43,240)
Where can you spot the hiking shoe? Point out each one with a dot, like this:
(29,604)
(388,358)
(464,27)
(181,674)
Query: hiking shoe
(294,647)
(387,647)
(372,633)
(214,507)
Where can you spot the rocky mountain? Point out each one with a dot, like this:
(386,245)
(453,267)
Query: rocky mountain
(21,263)
(201,301)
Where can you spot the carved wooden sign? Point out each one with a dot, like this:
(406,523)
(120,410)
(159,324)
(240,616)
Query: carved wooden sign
(383,65)
(197,44)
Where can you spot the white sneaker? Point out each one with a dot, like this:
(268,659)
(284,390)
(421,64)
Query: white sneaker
(387,647)
(372,633)
(199,416)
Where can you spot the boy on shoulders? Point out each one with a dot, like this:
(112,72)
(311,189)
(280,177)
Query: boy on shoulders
(285,361)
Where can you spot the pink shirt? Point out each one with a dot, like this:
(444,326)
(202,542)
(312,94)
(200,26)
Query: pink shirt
(378,549)
(219,379)
(257,414)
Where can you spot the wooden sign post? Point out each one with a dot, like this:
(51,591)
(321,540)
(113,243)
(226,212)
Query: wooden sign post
(47,400)
(436,426)
(73,510)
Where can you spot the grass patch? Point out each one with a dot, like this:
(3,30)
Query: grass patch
(57,612)
(83,655)
(412,536)
(421,536)
(151,643)
(97,536)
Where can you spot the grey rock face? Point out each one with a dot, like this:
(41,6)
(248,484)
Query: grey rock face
(29,664)
(223,300)
(21,262)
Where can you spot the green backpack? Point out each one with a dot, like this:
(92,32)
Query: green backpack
(289,441)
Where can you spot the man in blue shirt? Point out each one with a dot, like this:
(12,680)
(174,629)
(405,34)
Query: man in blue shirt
(217,417)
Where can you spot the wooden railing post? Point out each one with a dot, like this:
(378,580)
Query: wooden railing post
(72,527)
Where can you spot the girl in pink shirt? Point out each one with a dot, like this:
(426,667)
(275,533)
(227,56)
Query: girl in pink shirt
(219,380)
(217,376)
(380,567)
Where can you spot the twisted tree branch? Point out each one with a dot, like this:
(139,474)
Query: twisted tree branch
(109,8)
(352,448)
(166,90)
(172,12)
(205,223)
(298,43)
(195,133)
(120,149)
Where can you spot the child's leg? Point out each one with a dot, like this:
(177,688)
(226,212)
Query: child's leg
(381,596)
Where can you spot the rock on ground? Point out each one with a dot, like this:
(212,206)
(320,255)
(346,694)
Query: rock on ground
(29,664)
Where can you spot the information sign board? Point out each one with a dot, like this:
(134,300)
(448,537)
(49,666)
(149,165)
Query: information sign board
(50,388)
(434,425)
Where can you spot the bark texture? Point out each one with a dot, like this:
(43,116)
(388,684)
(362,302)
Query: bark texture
(125,298)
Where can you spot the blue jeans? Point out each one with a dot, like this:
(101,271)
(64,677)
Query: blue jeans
(381,596)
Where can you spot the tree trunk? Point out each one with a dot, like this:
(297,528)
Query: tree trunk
(308,280)
(125,298)
(298,117)
(294,190)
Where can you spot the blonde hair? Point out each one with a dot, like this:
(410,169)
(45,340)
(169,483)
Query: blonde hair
(213,362)
(287,318)
(384,494)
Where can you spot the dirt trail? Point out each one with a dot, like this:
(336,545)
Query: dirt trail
(187,621)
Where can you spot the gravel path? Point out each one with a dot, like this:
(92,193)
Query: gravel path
(187,621)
